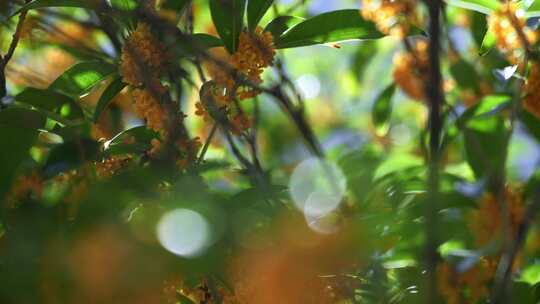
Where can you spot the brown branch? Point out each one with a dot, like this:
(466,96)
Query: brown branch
(4,60)
(207,143)
(435,97)
(507,260)
(15,39)
(501,286)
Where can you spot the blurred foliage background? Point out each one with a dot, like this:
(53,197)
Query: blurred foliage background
(259,151)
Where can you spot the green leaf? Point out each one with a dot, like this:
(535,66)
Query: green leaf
(49,100)
(59,3)
(329,27)
(81,77)
(70,155)
(531,122)
(486,107)
(478,27)
(176,5)
(359,167)
(81,54)
(21,140)
(533,10)
(139,133)
(22,118)
(531,274)
(487,43)
(228,16)
(18,131)
(197,42)
(382,109)
(134,140)
(524,292)
(481,6)
(256,10)
(124,5)
(363,57)
(212,165)
(206,41)
(485,135)
(182,299)
(397,162)
(70,133)
(110,92)
(281,24)
(464,74)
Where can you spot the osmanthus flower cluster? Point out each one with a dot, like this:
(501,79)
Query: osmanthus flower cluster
(189,149)
(148,106)
(393,17)
(531,100)
(455,285)
(513,38)
(411,69)
(73,184)
(143,61)
(24,186)
(485,224)
(108,167)
(235,75)
(508,24)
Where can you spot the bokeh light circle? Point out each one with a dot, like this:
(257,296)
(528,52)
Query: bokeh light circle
(309,86)
(184,232)
(320,203)
(317,186)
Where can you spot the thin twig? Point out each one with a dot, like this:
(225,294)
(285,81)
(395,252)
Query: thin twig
(4,60)
(15,39)
(207,143)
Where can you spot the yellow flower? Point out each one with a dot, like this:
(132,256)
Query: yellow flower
(148,106)
(452,284)
(24,186)
(531,102)
(240,123)
(448,284)
(255,52)
(485,222)
(156,148)
(142,56)
(220,73)
(201,111)
(189,149)
(411,70)
(110,166)
(393,17)
(503,23)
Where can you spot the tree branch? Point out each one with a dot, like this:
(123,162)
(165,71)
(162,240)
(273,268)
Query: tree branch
(435,97)
(4,60)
